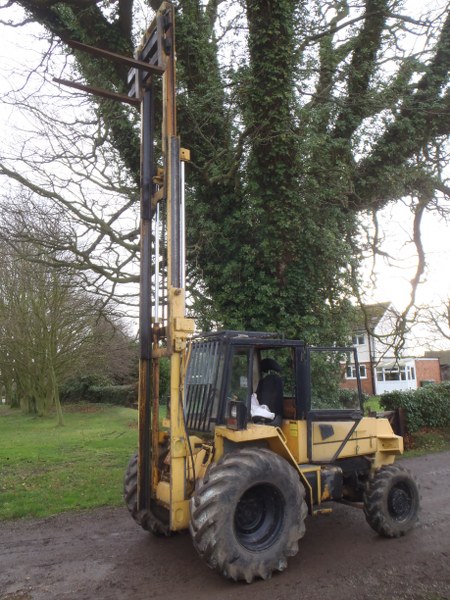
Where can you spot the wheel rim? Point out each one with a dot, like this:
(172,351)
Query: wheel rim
(400,502)
(258,518)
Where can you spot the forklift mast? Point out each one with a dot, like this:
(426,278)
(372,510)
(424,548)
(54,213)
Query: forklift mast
(163,327)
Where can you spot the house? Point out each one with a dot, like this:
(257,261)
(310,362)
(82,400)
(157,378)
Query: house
(444,362)
(379,367)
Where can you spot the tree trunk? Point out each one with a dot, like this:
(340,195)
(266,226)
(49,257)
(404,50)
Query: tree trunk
(55,394)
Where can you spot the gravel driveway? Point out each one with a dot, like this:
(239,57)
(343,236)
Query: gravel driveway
(103,555)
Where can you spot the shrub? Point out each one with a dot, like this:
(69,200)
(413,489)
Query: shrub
(349,398)
(434,402)
(122,395)
(78,388)
(91,388)
(426,407)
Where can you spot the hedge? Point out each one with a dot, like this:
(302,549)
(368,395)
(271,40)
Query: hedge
(428,406)
(122,395)
(96,389)
(350,399)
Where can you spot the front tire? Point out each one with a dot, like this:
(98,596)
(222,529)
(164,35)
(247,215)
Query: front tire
(155,520)
(391,501)
(248,514)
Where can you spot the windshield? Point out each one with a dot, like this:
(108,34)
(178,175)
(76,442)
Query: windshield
(203,383)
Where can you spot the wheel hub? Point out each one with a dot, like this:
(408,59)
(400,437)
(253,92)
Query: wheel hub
(399,503)
(259,517)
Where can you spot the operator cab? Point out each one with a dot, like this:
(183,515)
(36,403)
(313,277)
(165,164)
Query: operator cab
(235,378)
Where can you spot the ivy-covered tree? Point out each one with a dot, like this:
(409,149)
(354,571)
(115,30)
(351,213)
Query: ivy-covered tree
(302,118)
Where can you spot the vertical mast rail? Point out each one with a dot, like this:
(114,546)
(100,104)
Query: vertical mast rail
(182,226)
(157,266)
(145,303)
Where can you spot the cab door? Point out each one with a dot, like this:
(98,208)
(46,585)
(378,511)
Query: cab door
(335,428)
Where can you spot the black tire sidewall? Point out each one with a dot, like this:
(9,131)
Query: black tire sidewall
(378,514)
(396,480)
(264,468)
(287,492)
(156,520)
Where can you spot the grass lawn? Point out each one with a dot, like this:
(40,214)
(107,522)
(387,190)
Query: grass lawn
(45,469)
(372,404)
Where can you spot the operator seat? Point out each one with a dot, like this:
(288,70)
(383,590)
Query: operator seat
(270,389)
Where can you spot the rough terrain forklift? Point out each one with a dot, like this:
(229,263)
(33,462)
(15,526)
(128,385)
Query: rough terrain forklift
(259,431)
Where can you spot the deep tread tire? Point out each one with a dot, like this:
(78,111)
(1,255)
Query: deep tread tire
(248,514)
(156,520)
(391,501)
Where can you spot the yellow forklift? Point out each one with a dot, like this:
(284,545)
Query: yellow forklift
(260,430)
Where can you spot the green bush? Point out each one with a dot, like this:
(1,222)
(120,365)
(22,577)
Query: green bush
(91,388)
(350,399)
(428,406)
(434,401)
(101,389)
(118,395)
(77,389)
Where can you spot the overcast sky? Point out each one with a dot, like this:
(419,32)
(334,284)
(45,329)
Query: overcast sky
(393,281)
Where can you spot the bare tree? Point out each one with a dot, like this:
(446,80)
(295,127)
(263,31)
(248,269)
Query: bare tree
(51,330)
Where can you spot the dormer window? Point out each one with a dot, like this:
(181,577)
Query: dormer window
(358,339)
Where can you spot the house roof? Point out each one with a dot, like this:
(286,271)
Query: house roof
(369,315)
(442,355)
(395,364)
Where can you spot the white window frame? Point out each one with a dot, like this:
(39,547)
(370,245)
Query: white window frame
(405,373)
(352,368)
(358,339)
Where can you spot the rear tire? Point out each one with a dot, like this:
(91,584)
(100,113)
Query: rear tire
(155,520)
(248,514)
(391,501)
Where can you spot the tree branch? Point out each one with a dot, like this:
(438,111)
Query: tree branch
(424,115)
(362,67)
